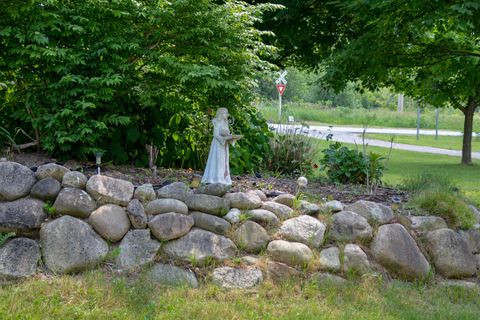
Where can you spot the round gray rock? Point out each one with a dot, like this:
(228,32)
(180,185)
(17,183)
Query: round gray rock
(110,221)
(280,272)
(236,278)
(308,208)
(304,229)
(199,247)
(332,206)
(172,276)
(137,249)
(145,193)
(396,251)
(280,210)
(233,216)
(251,237)
(349,226)
(424,224)
(472,237)
(176,190)
(70,244)
(166,205)
(450,253)
(170,225)
(51,170)
(259,194)
(214,189)
(243,201)
(19,258)
(291,253)
(208,204)
(46,189)
(330,259)
(136,214)
(22,216)
(16,180)
(264,217)
(285,199)
(375,213)
(108,190)
(74,202)
(355,259)
(210,222)
(74,179)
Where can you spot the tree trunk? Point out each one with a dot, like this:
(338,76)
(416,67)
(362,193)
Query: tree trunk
(469,112)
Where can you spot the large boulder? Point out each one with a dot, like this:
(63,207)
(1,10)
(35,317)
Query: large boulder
(237,278)
(331,206)
(136,214)
(397,251)
(137,249)
(472,237)
(291,253)
(160,206)
(355,259)
(74,202)
(243,201)
(22,216)
(210,222)
(70,244)
(46,189)
(145,193)
(349,226)
(281,211)
(16,180)
(304,229)
(208,204)
(176,190)
(375,213)
(424,224)
(330,259)
(285,199)
(172,276)
(251,237)
(110,221)
(170,225)
(51,170)
(280,272)
(264,217)
(451,254)
(110,190)
(19,258)
(214,189)
(200,247)
(308,208)
(74,179)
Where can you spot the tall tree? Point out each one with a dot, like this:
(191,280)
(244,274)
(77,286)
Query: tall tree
(428,49)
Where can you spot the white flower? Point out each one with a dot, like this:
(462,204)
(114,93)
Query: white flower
(302,182)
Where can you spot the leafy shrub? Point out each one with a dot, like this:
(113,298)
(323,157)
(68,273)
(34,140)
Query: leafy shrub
(344,165)
(449,206)
(293,150)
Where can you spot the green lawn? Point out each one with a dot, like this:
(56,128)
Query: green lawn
(99,296)
(451,119)
(445,142)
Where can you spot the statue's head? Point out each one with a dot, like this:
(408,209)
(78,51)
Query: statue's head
(222,114)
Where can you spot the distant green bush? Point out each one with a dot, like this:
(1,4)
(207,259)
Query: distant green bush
(449,206)
(427,181)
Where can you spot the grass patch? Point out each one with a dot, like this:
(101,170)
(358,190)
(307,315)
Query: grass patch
(444,142)
(451,119)
(97,296)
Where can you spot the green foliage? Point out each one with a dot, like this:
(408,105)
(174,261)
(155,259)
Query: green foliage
(344,165)
(83,81)
(294,150)
(449,206)
(49,208)
(5,236)
(428,181)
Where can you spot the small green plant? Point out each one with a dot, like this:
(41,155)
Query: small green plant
(449,206)
(49,209)
(427,181)
(244,216)
(5,236)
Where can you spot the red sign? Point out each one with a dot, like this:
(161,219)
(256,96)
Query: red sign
(281,88)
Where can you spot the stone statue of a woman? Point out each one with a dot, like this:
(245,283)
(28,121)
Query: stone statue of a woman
(218,169)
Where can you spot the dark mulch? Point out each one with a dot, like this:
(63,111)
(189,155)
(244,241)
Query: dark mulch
(271,185)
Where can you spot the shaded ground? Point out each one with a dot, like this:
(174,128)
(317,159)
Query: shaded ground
(272,186)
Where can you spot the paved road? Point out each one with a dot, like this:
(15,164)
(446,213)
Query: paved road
(353,135)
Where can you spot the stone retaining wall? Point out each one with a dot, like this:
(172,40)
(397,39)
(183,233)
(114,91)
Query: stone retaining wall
(72,223)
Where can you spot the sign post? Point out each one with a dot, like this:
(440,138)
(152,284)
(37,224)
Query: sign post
(281,85)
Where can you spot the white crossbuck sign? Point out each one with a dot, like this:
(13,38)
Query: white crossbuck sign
(282,79)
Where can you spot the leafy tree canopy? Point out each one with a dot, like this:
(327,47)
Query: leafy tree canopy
(120,74)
